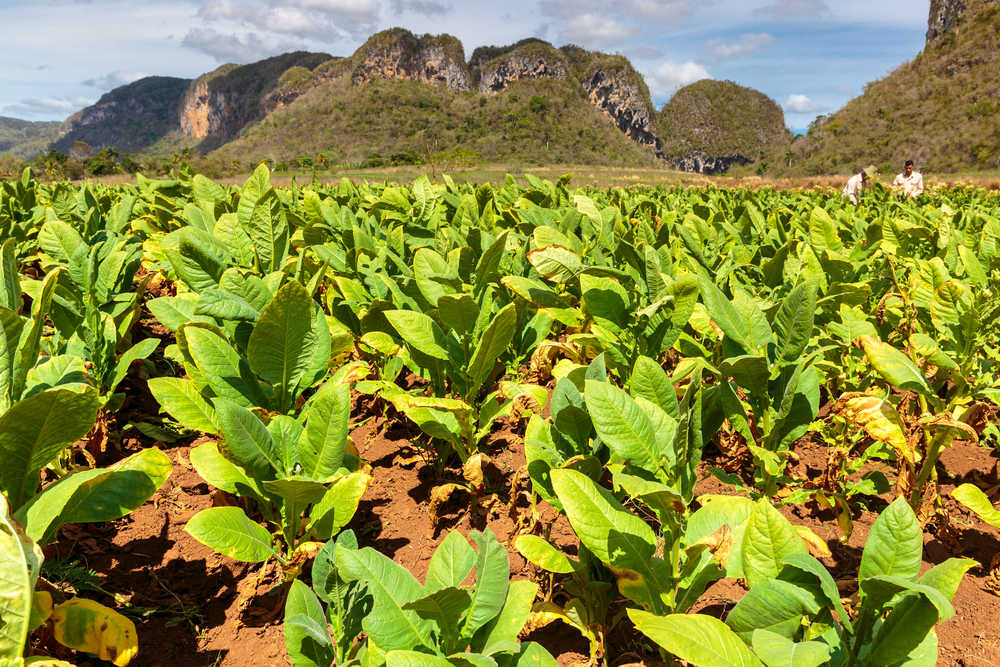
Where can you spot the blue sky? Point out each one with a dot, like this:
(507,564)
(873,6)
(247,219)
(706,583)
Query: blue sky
(811,56)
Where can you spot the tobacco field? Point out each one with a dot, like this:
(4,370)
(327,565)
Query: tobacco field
(525,424)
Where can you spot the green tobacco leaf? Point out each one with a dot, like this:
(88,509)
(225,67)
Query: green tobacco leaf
(33,431)
(769,538)
(895,544)
(911,619)
(218,362)
(181,400)
(451,563)
(725,315)
(140,350)
(492,575)
(793,323)
(651,382)
(10,286)
(623,426)
(556,263)
(20,561)
(732,511)
(701,640)
(539,552)
(946,577)
(444,607)
(388,625)
(230,532)
(972,497)
(281,343)
(337,506)
(96,495)
(773,605)
(491,346)
(401,658)
(306,638)
(222,473)
(419,332)
(897,368)
(616,536)
(248,440)
(606,299)
(324,439)
(778,651)
(508,624)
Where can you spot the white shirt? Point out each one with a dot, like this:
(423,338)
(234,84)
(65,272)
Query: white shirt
(912,185)
(855,186)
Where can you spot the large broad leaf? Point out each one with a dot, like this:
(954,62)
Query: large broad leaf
(701,640)
(248,440)
(419,332)
(181,400)
(492,574)
(605,300)
(140,350)
(35,430)
(556,263)
(88,626)
(20,561)
(321,448)
(793,323)
(504,629)
(337,506)
(494,341)
(623,425)
(894,366)
(912,617)
(306,638)
(719,511)
(11,326)
(540,553)
(778,651)
(10,286)
(773,605)
(91,496)
(725,315)
(217,364)
(267,227)
(388,625)
(28,349)
(222,473)
(895,544)
(281,343)
(59,240)
(651,382)
(617,537)
(768,539)
(229,531)
(972,497)
(451,563)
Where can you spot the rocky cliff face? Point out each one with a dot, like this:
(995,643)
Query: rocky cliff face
(531,62)
(944,16)
(399,54)
(219,104)
(617,94)
(129,118)
(702,163)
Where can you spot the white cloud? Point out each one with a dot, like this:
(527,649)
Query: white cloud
(234,48)
(798,103)
(670,76)
(722,49)
(593,30)
(35,107)
(794,10)
(114,79)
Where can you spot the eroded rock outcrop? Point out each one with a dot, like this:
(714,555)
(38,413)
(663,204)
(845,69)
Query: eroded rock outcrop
(219,104)
(535,60)
(399,54)
(618,93)
(702,163)
(944,16)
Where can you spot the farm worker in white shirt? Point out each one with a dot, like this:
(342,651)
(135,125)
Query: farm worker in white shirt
(910,184)
(858,183)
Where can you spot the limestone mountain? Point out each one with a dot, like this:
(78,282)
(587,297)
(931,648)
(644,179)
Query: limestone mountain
(941,109)
(401,97)
(25,138)
(708,126)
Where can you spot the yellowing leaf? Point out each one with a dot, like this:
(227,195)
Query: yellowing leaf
(878,418)
(817,545)
(85,625)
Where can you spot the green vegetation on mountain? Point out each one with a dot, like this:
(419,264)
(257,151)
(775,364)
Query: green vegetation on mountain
(941,109)
(25,138)
(721,120)
(384,121)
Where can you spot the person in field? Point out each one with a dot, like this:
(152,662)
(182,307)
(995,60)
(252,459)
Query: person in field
(910,183)
(858,183)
